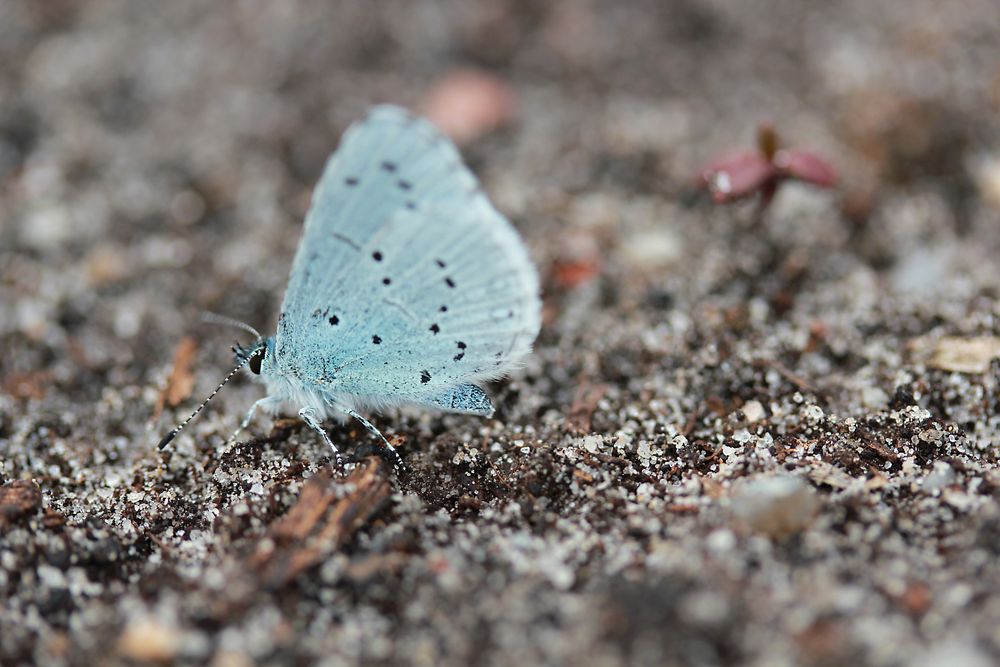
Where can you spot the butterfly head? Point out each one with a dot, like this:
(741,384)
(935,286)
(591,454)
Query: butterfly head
(257,356)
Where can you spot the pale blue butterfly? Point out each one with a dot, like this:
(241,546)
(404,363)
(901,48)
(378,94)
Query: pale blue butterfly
(408,287)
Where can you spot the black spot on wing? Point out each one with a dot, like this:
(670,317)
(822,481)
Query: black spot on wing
(425,377)
(376,340)
(377,256)
(389,166)
(350,181)
(334,320)
(449,282)
(435,329)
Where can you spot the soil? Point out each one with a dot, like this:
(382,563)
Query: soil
(744,437)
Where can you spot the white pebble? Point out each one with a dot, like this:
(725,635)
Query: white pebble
(778,505)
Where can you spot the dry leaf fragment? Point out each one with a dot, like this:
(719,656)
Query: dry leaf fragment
(467,104)
(965,355)
(180,384)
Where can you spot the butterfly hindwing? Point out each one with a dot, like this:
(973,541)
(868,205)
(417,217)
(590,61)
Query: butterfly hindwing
(461,303)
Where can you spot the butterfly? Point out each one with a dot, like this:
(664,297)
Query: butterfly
(408,288)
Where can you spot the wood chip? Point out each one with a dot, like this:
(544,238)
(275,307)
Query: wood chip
(798,382)
(325,516)
(822,472)
(180,384)
(585,400)
(30,385)
(368,567)
(965,355)
(881,450)
(18,499)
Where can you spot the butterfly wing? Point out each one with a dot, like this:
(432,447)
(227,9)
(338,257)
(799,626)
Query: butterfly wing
(407,283)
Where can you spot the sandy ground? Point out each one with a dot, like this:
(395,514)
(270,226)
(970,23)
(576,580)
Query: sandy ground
(741,440)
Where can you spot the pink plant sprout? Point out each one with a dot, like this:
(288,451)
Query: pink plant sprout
(742,174)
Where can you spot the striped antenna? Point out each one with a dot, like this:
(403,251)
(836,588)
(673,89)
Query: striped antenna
(215,318)
(165,440)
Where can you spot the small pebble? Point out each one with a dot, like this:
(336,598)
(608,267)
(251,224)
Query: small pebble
(776,506)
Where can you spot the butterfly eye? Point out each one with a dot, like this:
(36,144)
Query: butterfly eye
(255,362)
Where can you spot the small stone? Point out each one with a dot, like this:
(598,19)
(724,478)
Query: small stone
(941,476)
(643,450)
(955,654)
(592,443)
(753,411)
(987,175)
(148,640)
(652,249)
(230,658)
(777,506)
(721,541)
(814,413)
(874,398)
(644,492)
(930,435)
(105,264)
(742,436)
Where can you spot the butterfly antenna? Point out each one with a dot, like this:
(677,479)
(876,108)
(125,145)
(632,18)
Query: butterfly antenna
(215,318)
(177,429)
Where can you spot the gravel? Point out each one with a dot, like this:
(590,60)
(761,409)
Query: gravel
(743,438)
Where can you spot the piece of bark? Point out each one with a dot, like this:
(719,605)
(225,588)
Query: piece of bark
(585,401)
(29,385)
(325,516)
(180,383)
(965,355)
(18,500)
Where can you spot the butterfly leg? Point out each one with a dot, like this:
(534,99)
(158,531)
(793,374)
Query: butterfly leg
(386,450)
(267,402)
(308,415)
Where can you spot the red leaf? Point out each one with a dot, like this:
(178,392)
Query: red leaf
(736,176)
(805,166)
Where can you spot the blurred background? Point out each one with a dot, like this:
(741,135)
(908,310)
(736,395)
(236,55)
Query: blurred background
(141,141)
(157,159)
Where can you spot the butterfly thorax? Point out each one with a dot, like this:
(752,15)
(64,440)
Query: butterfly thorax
(288,391)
